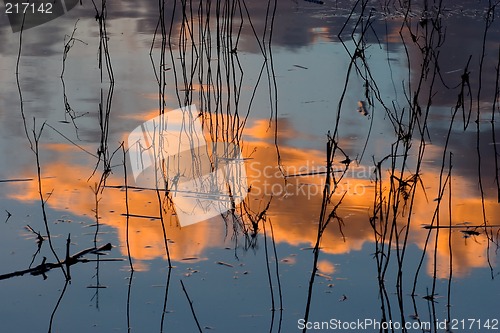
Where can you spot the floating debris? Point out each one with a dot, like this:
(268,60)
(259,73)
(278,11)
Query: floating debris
(302,67)
(289,260)
(224,264)
(16,180)
(460,226)
(318,2)
(327,277)
(362,108)
(431,298)
(467,233)
(142,216)
(45,266)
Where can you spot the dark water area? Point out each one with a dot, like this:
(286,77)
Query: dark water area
(265,166)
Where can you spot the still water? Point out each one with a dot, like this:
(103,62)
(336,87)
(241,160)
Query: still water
(368,140)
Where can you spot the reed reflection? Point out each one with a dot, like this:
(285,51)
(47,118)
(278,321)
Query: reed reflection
(295,189)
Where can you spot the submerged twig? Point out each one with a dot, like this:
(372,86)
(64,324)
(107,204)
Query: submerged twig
(9,215)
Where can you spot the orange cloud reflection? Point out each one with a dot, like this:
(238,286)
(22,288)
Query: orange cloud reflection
(293,211)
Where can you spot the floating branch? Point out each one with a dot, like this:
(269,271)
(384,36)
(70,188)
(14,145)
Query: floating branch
(15,180)
(44,267)
(319,2)
(460,226)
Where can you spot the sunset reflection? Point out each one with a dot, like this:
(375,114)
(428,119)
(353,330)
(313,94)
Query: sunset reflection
(294,208)
(111,222)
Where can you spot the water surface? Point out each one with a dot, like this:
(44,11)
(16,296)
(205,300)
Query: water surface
(406,95)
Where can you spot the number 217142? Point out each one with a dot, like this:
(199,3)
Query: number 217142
(27,8)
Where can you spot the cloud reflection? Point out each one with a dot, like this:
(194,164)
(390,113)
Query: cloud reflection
(294,209)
